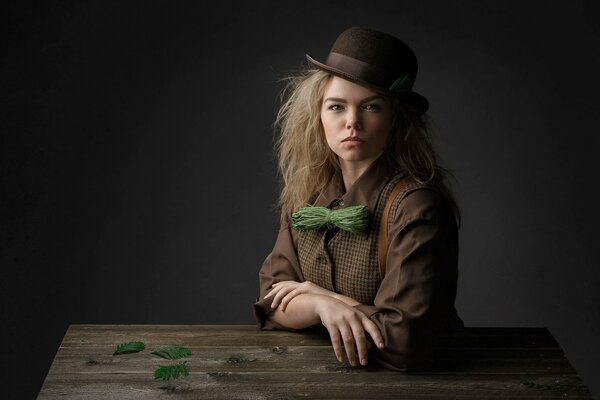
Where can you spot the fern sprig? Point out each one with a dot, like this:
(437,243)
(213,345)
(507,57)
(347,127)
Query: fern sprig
(167,372)
(129,347)
(172,352)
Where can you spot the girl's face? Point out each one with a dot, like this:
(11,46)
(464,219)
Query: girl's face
(356,120)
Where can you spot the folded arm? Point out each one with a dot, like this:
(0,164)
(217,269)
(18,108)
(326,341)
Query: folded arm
(416,297)
(347,327)
(310,305)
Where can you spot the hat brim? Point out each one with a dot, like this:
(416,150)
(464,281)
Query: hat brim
(409,97)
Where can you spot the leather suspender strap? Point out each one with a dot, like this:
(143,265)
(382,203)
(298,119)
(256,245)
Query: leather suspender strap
(382,241)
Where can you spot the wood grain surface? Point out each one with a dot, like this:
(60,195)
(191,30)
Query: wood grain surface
(242,362)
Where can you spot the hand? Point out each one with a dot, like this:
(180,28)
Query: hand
(285,291)
(347,327)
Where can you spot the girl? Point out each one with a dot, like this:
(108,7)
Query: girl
(368,244)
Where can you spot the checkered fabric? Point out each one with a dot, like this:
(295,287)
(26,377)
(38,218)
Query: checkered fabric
(347,264)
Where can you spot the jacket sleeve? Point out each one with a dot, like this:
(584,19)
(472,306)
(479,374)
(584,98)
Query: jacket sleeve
(416,298)
(280,265)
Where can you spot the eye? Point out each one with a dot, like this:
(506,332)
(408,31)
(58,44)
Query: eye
(334,107)
(372,107)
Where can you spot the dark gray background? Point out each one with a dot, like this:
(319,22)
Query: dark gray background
(138,181)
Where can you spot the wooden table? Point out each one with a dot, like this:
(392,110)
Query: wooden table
(241,362)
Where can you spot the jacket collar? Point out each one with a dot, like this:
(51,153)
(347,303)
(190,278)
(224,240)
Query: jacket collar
(365,191)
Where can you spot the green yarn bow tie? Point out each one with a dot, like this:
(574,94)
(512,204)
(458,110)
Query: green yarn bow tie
(351,219)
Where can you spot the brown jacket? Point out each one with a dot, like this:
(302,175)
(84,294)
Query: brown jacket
(415,300)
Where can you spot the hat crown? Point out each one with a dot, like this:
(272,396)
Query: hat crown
(377,49)
(376,60)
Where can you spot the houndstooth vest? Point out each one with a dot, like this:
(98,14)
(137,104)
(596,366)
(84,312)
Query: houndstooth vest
(347,263)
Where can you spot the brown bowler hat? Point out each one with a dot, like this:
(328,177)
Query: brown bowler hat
(376,60)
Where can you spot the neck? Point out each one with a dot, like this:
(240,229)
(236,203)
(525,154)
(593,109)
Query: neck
(351,171)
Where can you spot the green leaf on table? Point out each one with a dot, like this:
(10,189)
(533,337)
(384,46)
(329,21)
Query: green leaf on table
(171,371)
(172,352)
(129,347)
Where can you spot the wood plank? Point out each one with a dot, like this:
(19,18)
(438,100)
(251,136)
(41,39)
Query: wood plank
(257,385)
(223,335)
(306,359)
(187,335)
(499,337)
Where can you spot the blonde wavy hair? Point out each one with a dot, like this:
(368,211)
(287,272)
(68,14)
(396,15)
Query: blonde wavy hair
(306,163)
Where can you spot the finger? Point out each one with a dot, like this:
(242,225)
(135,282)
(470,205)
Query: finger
(280,294)
(373,331)
(275,288)
(288,297)
(277,297)
(336,343)
(283,283)
(272,292)
(361,342)
(349,344)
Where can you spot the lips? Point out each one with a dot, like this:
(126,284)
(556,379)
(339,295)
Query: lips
(353,139)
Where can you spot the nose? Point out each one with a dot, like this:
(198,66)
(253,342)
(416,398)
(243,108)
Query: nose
(353,122)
